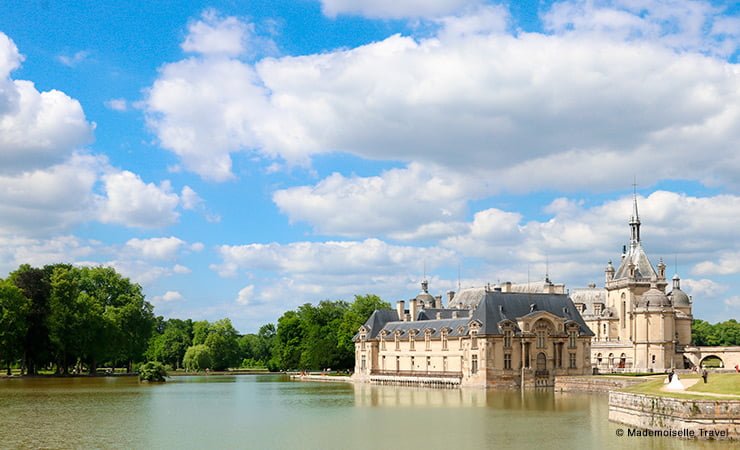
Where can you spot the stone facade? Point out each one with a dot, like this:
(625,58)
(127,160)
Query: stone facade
(637,326)
(487,338)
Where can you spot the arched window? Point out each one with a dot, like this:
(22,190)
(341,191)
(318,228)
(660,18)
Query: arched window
(541,361)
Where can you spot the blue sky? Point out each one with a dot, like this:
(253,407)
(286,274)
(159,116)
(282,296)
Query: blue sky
(241,158)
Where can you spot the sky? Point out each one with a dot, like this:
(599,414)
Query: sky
(241,158)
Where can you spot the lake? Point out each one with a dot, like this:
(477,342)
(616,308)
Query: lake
(270,411)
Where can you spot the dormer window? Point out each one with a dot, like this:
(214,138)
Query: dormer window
(412,335)
(397,340)
(572,334)
(474,339)
(444,339)
(428,340)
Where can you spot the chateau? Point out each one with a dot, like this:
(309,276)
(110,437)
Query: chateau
(484,337)
(637,326)
(525,335)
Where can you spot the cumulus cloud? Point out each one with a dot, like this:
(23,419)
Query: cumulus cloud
(42,201)
(331,257)
(168,297)
(215,35)
(132,202)
(17,250)
(727,263)
(156,248)
(477,101)
(397,201)
(395,9)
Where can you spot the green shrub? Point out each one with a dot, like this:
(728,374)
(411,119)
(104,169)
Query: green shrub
(152,371)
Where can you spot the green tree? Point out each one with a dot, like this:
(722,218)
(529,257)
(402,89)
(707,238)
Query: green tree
(169,345)
(287,348)
(35,284)
(198,357)
(152,371)
(223,340)
(14,308)
(358,313)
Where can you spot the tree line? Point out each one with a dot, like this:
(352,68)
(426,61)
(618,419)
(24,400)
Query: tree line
(68,319)
(721,333)
(307,338)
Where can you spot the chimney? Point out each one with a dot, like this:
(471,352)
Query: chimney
(454,314)
(506,287)
(401,309)
(450,296)
(438,302)
(412,309)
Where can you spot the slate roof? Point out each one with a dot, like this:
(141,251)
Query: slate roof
(492,308)
(644,270)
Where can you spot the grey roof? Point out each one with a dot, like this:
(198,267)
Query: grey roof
(679,298)
(644,270)
(589,297)
(653,297)
(491,310)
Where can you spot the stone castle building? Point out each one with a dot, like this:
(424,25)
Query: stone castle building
(484,337)
(526,334)
(637,326)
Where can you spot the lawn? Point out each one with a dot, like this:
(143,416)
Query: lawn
(717,383)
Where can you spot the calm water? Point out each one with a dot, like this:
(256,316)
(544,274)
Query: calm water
(268,411)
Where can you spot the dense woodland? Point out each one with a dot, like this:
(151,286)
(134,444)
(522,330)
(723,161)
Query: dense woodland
(64,319)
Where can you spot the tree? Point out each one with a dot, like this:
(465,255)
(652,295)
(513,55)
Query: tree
(14,308)
(287,349)
(35,285)
(358,313)
(198,357)
(169,346)
(223,340)
(152,371)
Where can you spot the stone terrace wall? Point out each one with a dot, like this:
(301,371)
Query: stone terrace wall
(665,413)
(589,383)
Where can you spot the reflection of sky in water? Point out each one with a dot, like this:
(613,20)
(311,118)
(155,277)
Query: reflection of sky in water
(271,412)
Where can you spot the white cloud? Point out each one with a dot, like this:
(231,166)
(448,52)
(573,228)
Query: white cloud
(215,35)
(331,257)
(190,199)
(245,295)
(468,102)
(168,297)
(156,248)
(75,59)
(117,104)
(703,289)
(197,247)
(17,250)
(397,201)
(395,9)
(131,202)
(680,24)
(41,201)
(181,270)
(727,263)
(733,302)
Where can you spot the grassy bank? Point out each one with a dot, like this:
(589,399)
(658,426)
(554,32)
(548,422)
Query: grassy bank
(727,385)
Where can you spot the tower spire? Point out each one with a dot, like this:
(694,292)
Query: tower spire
(635,220)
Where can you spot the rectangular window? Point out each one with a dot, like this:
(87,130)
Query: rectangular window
(541,338)
(362,343)
(507,338)
(411,342)
(444,340)
(382,363)
(572,364)
(429,363)
(444,364)
(474,340)
(398,363)
(398,343)
(382,342)
(459,340)
(572,339)
(474,365)
(412,363)
(428,341)
(362,363)
(507,360)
